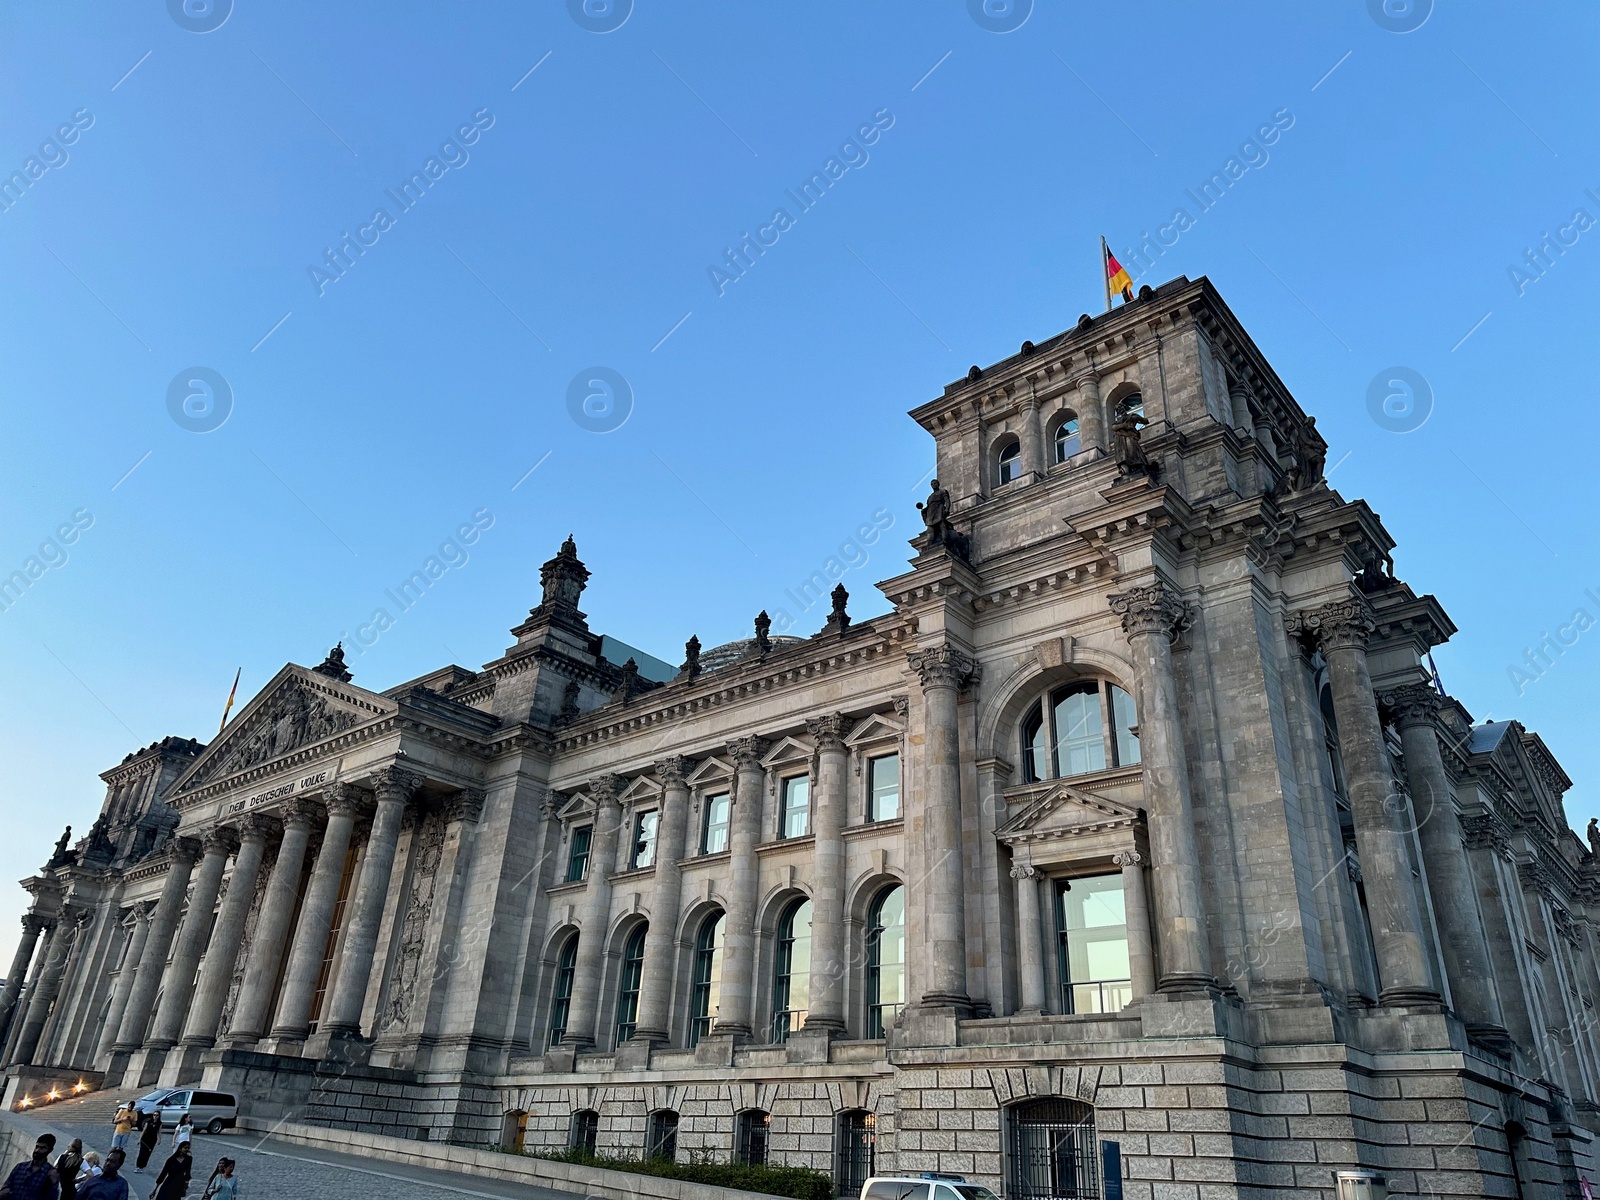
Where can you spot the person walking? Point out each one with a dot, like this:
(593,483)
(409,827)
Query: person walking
(222,1185)
(122,1125)
(36,1178)
(184,1131)
(149,1135)
(108,1184)
(91,1168)
(173,1182)
(67,1168)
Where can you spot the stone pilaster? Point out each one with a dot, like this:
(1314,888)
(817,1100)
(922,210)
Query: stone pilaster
(219,844)
(1382,828)
(1030,938)
(216,974)
(735,1013)
(584,1009)
(1414,711)
(828,962)
(185,852)
(655,986)
(1136,911)
(394,788)
(945,671)
(1151,617)
(251,1013)
(293,1020)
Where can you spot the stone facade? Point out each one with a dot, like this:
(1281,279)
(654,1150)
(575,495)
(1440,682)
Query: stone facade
(1139,819)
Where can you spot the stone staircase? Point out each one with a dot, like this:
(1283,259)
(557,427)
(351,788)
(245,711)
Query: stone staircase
(97,1108)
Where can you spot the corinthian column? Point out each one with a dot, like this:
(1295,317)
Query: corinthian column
(655,982)
(316,916)
(1151,617)
(1382,826)
(219,844)
(223,954)
(736,1005)
(342,1015)
(585,1005)
(32,926)
(125,977)
(826,1010)
(1415,711)
(1030,947)
(43,997)
(152,963)
(272,926)
(944,672)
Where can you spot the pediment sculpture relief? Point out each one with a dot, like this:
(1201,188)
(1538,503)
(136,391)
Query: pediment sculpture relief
(297,715)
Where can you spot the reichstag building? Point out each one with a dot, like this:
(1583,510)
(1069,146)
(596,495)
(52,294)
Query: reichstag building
(1137,832)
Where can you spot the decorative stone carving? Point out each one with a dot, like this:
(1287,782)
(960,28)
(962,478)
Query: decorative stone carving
(1127,858)
(691,658)
(396,783)
(605,789)
(747,751)
(345,798)
(62,855)
(1151,608)
(427,849)
(672,771)
(1486,831)
(940,534)
(184,850)
(1126,447)
(223,839)
(828,731)
(260,827)
(838,619)
(944,666)
(763,632)
(296,715)
(465,805)
(1024,871)
(902,705)
(563,579)
(333,666)
(1414,704)
(1342,625)
(302,814)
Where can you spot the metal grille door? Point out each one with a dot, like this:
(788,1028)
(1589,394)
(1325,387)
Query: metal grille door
(1053,1151)
(857,1139)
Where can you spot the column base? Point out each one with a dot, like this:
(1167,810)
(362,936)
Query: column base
(183,1065)
(144,1066)
(1494,1038)
(738,1032)
(289,1043)
(1187,983)
(811,1043)
(1410,997)
(634,1054)
(341,1044)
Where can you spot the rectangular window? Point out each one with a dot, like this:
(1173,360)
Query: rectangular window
(578,857)
(1092,945)
(644,839)
(796,807)
(714,833)
(1124,720)
(883,778)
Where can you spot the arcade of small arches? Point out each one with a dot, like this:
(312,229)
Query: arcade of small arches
(1064,436)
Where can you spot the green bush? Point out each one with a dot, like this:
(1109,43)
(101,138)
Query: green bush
(797,1183)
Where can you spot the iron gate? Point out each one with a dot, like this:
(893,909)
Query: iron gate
(1053,1152)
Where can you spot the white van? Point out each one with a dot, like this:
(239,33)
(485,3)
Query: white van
(211,1111)
(930,1185)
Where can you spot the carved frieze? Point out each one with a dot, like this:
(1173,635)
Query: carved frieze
(296,715)
(427,849)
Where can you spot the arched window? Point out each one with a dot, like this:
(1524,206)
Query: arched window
(1066,442)
(661,1139)
(628,983)
(1078,729)
(584,1131)
(791,973)
(1051,1151)
(561,992)
(750,1137)
(886,959)
(855,1151)
(1008,462)
(706,987)
(1131,405)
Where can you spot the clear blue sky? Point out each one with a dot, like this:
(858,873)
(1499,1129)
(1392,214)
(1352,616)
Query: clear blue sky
(767,423)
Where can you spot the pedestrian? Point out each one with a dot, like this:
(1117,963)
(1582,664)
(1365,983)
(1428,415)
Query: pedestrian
(91,1167)
(173,1181)
(149,1135)
(67,1168)
(36,1178)
(184,1132)
(108,1184)
(122,1125)
(222,1185)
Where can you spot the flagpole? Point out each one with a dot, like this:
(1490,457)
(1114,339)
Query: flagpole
(227,708)
(1105,269)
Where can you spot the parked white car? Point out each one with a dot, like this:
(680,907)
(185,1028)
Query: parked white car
(211,1111)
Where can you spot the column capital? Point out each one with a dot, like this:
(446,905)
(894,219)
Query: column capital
(1025,871)
(1342,625)
(144,910)
(344,799)
(465,805)
(184,851)
(828,731)
(673,770)
(1413,704)
(1151,608)
(35,923)
(396,783)
(222,840)
(605,789)
(944,666)
(1128,858)
(747,751)
(259,827)
(301,814)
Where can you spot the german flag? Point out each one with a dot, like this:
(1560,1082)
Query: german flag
(1117,279)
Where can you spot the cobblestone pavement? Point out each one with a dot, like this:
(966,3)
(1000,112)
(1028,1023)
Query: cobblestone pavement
(269,1168)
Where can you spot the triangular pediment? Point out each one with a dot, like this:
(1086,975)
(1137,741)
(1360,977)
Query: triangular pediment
(299,708)
(577,806)
(875,727)
(787,750)
(714,770)
(643,790)
(1051,810)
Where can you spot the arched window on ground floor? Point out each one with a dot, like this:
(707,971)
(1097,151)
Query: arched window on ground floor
(584,1132)
(1051,1151)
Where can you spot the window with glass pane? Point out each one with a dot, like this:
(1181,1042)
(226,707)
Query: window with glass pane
(886,959)
(883,777)
(561,993)
(1124,720)
(1067,442)
(628,984)
(578,856)
(644,839)
(1092,928)
(714,833)
(706,987)
(1009,465)
(796,806)
(1080,745)
(791,981)
(1035,746)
